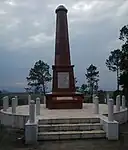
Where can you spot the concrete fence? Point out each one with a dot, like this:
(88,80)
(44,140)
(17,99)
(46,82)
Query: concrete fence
(111,123)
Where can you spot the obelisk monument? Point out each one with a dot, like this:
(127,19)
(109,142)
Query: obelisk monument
(63,94)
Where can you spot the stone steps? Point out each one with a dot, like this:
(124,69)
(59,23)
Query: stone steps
(69,127)
(69,121)
(71,135)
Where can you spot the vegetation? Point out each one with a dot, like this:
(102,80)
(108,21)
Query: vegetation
(92,79)
(39,76)
(124,60)
(84,89)
(113,63)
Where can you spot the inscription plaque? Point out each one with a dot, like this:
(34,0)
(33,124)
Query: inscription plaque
(63,79)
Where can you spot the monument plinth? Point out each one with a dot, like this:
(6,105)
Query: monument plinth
(63,85)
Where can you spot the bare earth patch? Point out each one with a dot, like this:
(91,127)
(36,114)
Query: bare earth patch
(12,140)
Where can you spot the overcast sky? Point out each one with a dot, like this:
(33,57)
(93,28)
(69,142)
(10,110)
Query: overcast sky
(27,31)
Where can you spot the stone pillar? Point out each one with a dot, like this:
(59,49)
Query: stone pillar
(29,99)
(110,110)
(118,103)
(94,95)
(107,98)
(13,105)
(44,99)
(123,102)
(96,105)
(32,114)
(5,103)
(16,100)
(31,127)
(37,106)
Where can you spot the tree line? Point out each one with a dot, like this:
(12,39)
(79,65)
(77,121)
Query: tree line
(117,61)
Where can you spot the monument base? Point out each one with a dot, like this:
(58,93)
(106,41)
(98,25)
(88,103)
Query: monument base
(64,100)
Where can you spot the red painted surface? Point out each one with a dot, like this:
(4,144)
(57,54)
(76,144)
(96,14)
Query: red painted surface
(63,64)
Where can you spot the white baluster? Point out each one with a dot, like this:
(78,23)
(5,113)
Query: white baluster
(110,110)
(118,103)
(123,102)
(96,105)
(13,105)
(37,106)
(5,103)
(32,112)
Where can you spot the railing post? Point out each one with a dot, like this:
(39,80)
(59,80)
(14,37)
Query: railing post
(96,105)
(32,114)
(37,106)
(29,99)
(123,102)
(5,103)
(44,99)
(110,110)
(13,105)
(107,97)
(118,103)
(31,127)
(16,100)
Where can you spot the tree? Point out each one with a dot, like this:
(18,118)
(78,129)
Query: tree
(92,77)
(113,63)
(124,60)
(83,88)
(124,33)
(96,86)
(28,89)
(39,76)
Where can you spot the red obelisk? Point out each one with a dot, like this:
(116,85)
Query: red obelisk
(63,85)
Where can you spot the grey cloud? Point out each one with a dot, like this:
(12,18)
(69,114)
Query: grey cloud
(28,30)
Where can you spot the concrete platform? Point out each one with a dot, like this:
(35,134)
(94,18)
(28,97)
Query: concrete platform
(86,112)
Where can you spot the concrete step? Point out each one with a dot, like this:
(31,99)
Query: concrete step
(71,135)
(69,127)
(69,121)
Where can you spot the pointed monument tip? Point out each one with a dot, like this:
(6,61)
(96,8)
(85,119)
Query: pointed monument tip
(61,8)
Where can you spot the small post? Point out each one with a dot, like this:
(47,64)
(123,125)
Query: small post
(110,110)
(93,97)
(13,105)
(123,102)
(96,105)
(16,100)
(5,103)
(32,112)
(29,99)
(118,103)
(31,127)
(107,98)
(44,98)
(37,106)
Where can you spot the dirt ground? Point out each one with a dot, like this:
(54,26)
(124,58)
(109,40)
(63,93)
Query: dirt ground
(14,141)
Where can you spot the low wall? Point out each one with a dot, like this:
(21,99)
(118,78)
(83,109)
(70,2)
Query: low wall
(111,128)
(121,116)
(15,121)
